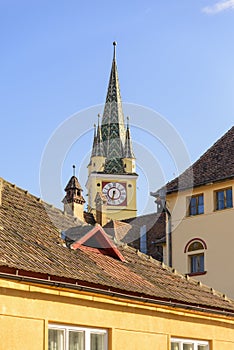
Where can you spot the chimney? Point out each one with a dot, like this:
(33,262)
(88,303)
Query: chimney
(101,202)
(74,201)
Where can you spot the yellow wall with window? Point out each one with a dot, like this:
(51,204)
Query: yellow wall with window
(27,310)
(214,227)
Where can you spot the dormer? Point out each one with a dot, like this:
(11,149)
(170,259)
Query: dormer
(95,240)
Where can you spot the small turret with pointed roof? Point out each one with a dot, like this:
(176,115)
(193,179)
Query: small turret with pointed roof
(129,158)
(97,160)
(94,148)
(128,150)
(99,144)
(74,201)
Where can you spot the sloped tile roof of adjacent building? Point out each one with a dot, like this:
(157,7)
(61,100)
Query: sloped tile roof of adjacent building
(31,247)
(216,164)
(130,230)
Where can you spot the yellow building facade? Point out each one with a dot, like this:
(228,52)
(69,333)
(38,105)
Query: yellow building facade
(29,311)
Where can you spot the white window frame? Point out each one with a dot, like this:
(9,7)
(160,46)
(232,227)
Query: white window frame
(195,343)
(196,253)
(87,334)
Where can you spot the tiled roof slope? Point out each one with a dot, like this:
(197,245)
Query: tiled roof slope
(216,164)
(154,222)
(129,231)
(30,243)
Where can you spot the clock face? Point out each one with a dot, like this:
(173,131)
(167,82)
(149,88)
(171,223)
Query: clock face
(115,193)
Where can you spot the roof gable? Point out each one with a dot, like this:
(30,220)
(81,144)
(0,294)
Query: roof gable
(97,238)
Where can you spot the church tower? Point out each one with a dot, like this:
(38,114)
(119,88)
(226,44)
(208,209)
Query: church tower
(112,169)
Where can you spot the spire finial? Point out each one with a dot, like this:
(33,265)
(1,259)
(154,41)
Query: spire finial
(99,116)
(114,55)
(74,170)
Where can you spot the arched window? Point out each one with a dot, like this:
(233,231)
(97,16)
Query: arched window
(195,246)
(195,250)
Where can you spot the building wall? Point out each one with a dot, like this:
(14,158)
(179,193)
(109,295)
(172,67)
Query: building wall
(215,228)
(27,309)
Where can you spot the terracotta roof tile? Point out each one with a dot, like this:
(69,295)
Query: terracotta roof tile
(154,222)
(73,183)
(129,231)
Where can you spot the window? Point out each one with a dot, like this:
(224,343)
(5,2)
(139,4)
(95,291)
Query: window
(195,250)
(76,338)
(196,205)
(188,344)
(196,263)
(223,199)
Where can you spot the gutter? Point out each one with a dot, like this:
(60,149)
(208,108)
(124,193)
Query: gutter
(169,241)
(110,293)
(161,199)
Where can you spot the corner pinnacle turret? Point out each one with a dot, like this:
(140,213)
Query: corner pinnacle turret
(99,144)
(128,151)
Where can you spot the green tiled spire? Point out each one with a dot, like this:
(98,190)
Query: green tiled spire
(94,142)
(112,128)
(128,150)
(99,142)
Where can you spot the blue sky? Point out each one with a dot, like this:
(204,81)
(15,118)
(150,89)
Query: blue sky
(174,57)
